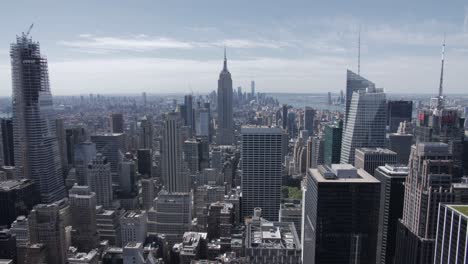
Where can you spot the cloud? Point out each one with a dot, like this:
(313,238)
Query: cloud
(141,43)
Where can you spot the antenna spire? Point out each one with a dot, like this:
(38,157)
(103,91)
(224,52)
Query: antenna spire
(440,98)
(359,52)
(225,59)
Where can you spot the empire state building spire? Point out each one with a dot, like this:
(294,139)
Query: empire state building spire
(225,60)
(225,130)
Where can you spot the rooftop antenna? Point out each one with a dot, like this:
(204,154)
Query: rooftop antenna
(441,83)
(29,30)
(359,52)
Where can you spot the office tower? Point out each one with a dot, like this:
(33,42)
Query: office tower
(284,116)
(84,153)
(100,180)
(340,204)
(309,118)
(220,221)
(392,190)
(451,243)
(7,246)
(143,95)
(112,146)
(261,165)
(127,173)
(148,192)
(171,215)
(332,146)
(34,134)
(7,142)
(133,253)
(354,83)
(17,197)
(133,225)
(192,153)
(145,133)
(428,183)
(330,101)
(117,123)
(292,127)
(225,135)
(73,137)
(83,220)
(108,225)
(315,151)
(280,240)
(397,112)
(203,124)
(62,144)
(400,143)
(189,113)
(174,176)
(444,125)
(145,162)
(291,212)
(370,159)
(48,227)
(252,88)
(365,125)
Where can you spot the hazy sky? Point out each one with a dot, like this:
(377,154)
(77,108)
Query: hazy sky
(285,46)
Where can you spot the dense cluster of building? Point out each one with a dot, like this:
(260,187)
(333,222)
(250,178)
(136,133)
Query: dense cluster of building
(228,177)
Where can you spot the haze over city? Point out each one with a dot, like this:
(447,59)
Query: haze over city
(299,46)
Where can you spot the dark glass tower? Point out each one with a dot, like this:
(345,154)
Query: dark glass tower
(35,140)
(7,142)
(397,112)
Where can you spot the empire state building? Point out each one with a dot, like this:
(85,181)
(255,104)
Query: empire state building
(225,134)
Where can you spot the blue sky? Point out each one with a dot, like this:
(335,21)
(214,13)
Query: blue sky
(285,46)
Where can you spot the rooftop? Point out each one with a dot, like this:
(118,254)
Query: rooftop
(375,151)
(13,184)
(339,173)
(461,209)
(272,235)
(251,129)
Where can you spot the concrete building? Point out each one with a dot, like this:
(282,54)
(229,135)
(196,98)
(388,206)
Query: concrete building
(84,153)
(192,248)
(108,225)
(83,220)
(271,242)
(34,132)
(340,203)
(117,123)
(100,180)
(112,146)
(400,143)
(8,249)
(133,226)
(291,213)
(261,165)
(370,159)
(17,197)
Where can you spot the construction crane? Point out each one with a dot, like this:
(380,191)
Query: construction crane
(29,30)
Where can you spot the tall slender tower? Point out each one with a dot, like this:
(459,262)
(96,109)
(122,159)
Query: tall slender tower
(35,139)
(225,135)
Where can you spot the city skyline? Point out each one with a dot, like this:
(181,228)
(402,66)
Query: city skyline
(298,48)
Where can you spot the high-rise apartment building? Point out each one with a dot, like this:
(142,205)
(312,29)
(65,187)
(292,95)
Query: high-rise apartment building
(428,183)
(365,125)
(174,175)
(392,190)
(100,180)
(261,165)
(35,140)
(225,135)
(340,204)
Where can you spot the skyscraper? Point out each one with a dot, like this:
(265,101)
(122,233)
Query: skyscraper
(100,180)
(189,114)
(261,170)
(397,112)
(354,83)
(174,176)
(83,211)
(284,116)
(117,123)
(333,135)
(366,123)
(341,212)
(392,192)
(225,135)
(252,87)
(35,140)
(451,244)
(370,159)
(145,131)
(7,141)
(112,146)
(429,183)
(309,118)
(84,154)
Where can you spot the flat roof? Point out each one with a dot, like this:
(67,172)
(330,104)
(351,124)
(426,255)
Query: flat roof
(461,209)
(364,177)
(251,129)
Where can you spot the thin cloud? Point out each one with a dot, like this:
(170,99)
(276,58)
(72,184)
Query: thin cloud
(142,43)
